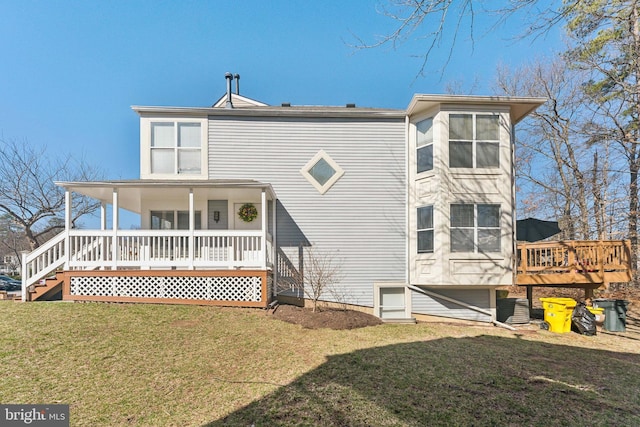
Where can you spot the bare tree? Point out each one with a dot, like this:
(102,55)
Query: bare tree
(322,271)
(436,23)
(28,194)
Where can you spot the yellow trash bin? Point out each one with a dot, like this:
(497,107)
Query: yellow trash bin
(557,313)
(598,313)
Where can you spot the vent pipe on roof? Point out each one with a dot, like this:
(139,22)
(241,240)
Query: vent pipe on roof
(229,77)
(237,77)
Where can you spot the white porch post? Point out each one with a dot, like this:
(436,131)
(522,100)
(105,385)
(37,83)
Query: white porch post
(274,246)
(263,240)
(67,227)
(192,226)
(103,239)
(103,216)
(114,246)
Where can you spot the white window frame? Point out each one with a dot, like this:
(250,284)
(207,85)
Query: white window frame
(427,143)
(322,188)
(474,140)
(377,286)
(476,228)
(418,229)
(146,148)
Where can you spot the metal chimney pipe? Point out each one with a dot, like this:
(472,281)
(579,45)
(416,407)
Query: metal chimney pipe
(229,77)
(237,77)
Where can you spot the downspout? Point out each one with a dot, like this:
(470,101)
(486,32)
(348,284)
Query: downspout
(463,304)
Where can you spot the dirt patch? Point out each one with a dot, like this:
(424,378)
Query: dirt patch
(324,318)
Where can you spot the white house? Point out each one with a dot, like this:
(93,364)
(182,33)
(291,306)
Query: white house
(416,205)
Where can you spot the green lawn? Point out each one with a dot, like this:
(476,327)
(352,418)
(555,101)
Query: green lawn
(154,365)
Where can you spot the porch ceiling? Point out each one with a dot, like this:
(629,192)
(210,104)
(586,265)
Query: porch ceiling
(131,193)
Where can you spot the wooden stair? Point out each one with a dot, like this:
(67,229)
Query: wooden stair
(47,290)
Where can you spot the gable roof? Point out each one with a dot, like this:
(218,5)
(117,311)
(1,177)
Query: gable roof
(238,101)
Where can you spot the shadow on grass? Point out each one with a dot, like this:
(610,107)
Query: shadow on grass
(483,380)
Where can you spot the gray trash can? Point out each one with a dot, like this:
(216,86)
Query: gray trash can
(615,313)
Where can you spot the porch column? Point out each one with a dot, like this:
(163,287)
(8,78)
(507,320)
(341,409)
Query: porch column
(103,239)
(192,226)
(103,216)
(114,246)
(274,245)
(67,227)
(263,240)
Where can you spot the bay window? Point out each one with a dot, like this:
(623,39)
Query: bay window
(424,145)
(474,141)
(425,229)
(475,227)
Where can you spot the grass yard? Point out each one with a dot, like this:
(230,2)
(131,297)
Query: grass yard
(158,365)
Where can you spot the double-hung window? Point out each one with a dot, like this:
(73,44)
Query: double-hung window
(424,145)
(474,141)
(475,228)
(425,229)
(176,148)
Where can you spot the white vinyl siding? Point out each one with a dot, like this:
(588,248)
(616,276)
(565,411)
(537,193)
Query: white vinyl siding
(361,219)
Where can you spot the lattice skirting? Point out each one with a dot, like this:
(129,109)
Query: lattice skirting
(224,288)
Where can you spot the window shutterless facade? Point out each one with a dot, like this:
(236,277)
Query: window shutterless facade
(475,228)
(474,140)
(424,145)
(176,148)
(425,229)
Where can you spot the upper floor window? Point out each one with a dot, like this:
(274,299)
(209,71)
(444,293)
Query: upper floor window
(424,145)
(475,228)
(176,148)
(474,141)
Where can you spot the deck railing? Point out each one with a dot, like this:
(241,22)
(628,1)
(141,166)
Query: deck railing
(595,261)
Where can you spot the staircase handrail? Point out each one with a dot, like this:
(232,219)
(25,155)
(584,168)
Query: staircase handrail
(30,275)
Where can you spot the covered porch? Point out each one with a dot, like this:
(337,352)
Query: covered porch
(185,226)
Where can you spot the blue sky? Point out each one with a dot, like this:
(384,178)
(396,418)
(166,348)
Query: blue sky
(71,70)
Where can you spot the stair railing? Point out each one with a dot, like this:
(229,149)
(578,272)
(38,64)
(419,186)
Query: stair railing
(42,262)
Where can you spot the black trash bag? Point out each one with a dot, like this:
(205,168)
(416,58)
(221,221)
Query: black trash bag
(582,320)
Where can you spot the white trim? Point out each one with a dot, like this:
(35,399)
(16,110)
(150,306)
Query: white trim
(376,297)
(145,148)
(322,188)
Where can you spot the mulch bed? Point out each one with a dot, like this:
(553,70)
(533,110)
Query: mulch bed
(324,318)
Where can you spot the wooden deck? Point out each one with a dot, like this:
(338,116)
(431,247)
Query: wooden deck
(588,264)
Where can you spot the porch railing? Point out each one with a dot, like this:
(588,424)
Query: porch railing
(148,249)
